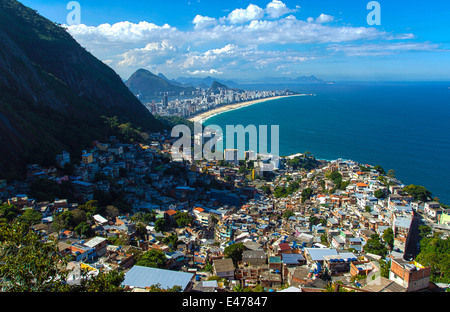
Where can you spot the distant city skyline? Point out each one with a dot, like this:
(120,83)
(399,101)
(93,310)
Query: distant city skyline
(333,40)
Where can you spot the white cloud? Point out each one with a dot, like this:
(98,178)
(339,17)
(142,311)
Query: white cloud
(324,18)
(204,72)
(252,12)
(228,49)
(241,41)
(204,21)
(153,53)
(276,9)
(121,32)
(383,49)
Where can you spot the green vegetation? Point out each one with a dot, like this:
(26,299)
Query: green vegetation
(49,190)
(435,252)
(313,220)
(306,162)
(418,192)
(172,121)
(234,251)
(53,94)
(376,246)
(380,194)
(153,258)
(388,238)
(183,219)
(336,177)
(158,289)
(30,264)
(288,213)
(306,194)
(286,191)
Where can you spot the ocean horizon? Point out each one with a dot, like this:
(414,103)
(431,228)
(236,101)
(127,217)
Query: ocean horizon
(403,126)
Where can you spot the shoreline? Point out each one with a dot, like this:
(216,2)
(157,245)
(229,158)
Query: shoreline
(227,108)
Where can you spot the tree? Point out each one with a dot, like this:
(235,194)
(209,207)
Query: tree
(324,238)
(375,245)
(28,263)
(306,194)
(32,264)
(287,214)
(112,211)
(266,189)
(379,169)
(435,252)
(424,231)
(183,219)
(141,230)
(160,225)
(171,240)
(84,230)
(153,258)
(8,212)
(104,282)
(379,194)
(385,268)
(31,217)
(159,289)
(280,192)
(391,173)
(234,251)
(62,221)
(388,237)
(364,169)
(418,192)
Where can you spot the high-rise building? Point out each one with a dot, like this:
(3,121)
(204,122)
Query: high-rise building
(165,102)
(232,156)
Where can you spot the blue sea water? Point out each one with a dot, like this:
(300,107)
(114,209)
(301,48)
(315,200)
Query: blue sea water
(400,126)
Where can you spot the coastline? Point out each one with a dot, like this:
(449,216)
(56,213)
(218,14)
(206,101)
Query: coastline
(223,109)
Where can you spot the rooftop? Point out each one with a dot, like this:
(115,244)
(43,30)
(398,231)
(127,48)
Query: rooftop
(141,277)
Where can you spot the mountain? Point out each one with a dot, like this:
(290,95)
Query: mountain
(146,85)
(217,86)
(53,93)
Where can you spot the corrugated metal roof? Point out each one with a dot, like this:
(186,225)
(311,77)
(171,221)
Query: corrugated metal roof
(292,258)
(142,277)
(318,253)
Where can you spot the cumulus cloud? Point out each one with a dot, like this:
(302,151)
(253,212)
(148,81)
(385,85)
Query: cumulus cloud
(211,71)
(152,53)
(204,21)
(121,32)
(276,9)
(252,12)
(244,39)
(324,18)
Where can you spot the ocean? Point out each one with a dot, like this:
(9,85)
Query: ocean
(403,126)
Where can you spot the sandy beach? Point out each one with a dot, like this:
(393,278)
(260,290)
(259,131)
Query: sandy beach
(208,114)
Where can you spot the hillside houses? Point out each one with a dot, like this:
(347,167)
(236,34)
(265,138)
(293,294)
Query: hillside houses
(298,240)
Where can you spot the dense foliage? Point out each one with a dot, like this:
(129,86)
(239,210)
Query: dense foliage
(32,264)
(305,162)
(435,252)
(418,192)
(234,251)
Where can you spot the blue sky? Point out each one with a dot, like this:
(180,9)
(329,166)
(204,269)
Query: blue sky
(251,39)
